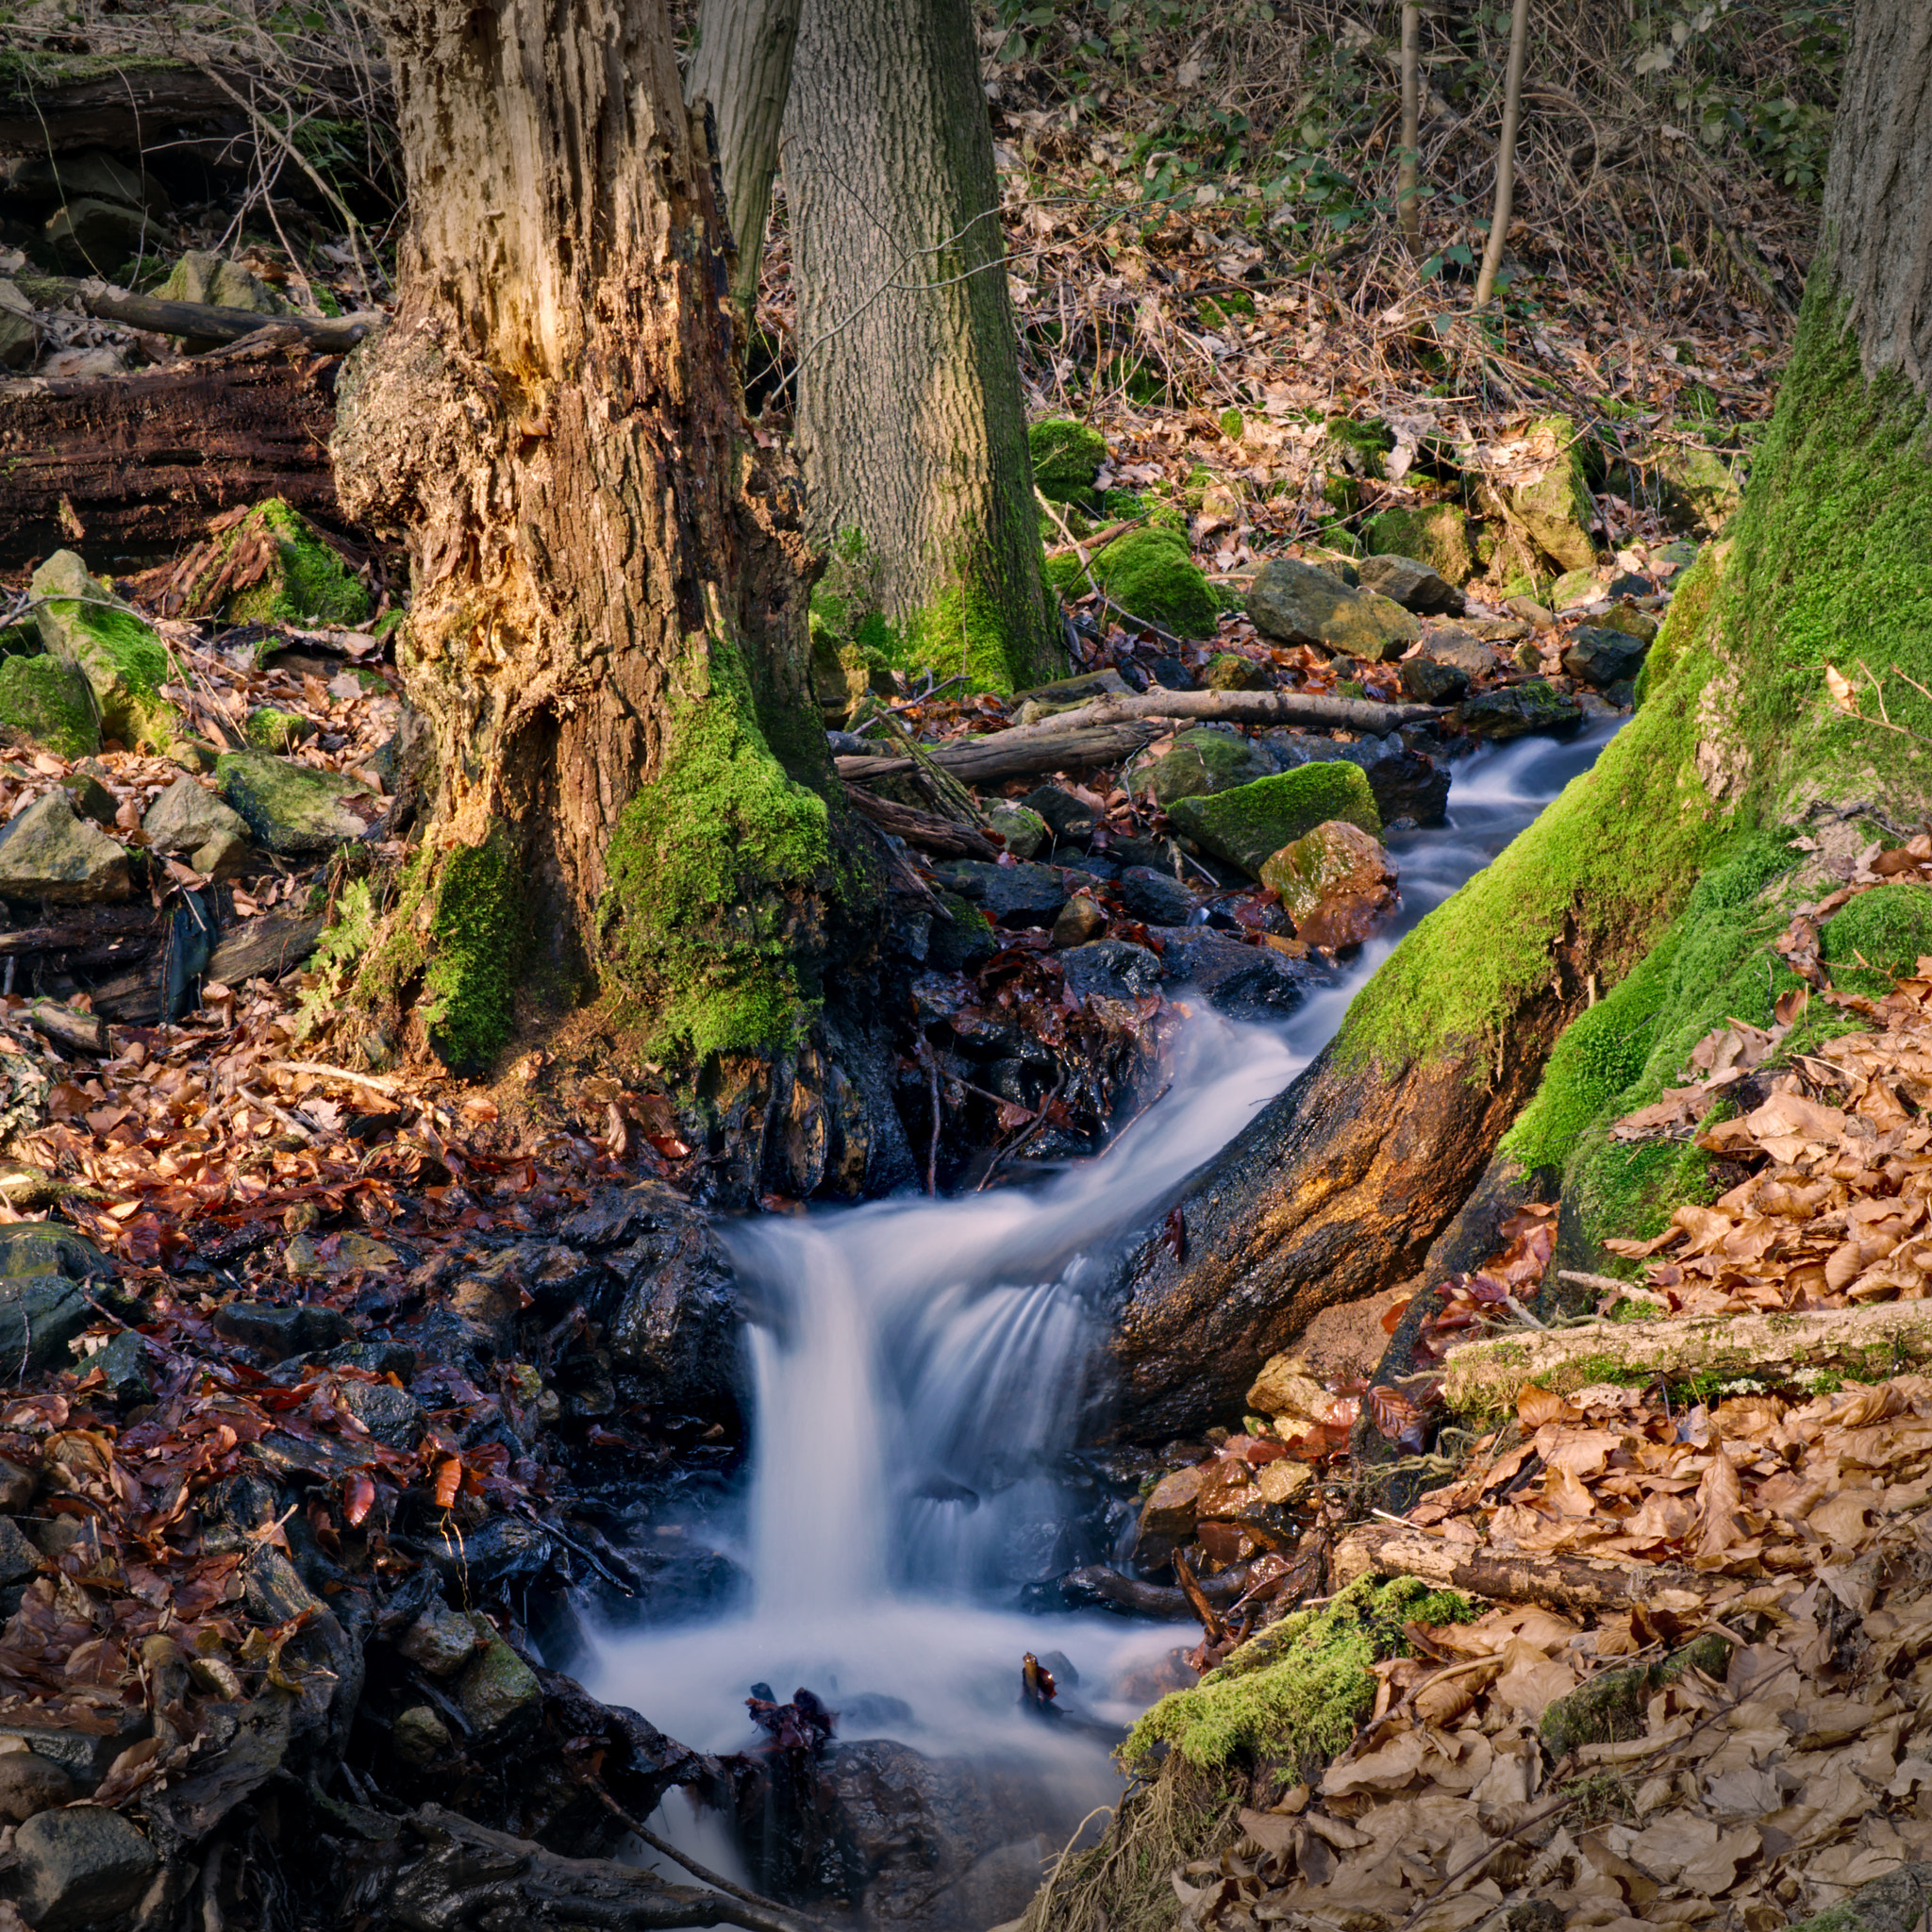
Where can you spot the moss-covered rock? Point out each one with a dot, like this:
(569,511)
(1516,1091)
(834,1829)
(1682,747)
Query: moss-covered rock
(202,275)
(1023,830)
(1200,762)
(1897,1902)
(1612,1706)
(50,856)
(1067,457)
(1248,824)
(1517,709)
(287,808)
(1700,489)
(50,702)
(1335,882)
(1553,508)
(1150,573)
(1436,534)
(269,729)
(125,662)
(276,569)
(1303,604)
(1232,672)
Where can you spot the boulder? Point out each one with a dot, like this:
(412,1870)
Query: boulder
(1600,656)
(30,1785)
(98,235)
(1012,895)
(674,1338)
(1303,604)
(50,702)
(125,661)
(1248,824)
(1155,898)
(1068,819)
(1407,784)
(1067,457)
(274,567)
(1435,534)
(1202,760)
(1450,643)
(289,809)
(18,1558)
(1554,507)
(441,1641)
(80,1867)
(1632,621)
(1023,829)
(1416,586)
(1336,883)
(498,1692)
(1150,574)
(1079,920)
(202,275)
(1429,682)
(1244,982)
(49,855)
(419,1735)
(1230,671)
(91,798)
(1518,709)
(1110,970)
(188,816)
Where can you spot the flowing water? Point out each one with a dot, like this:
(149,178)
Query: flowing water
(919,1369)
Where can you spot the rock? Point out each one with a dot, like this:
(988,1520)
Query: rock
(91,796)
(80,1867)
(1282,1481)
(1250,823)
(1673,559)
(1701,488)
(1450,643)
(202,275)
(29,1785)
(1431,683)
(19,341)
(123,1365)
(1080,919)
(276,1592)
(1574,587)
(39,1314)
(498,1692)
(124,660)
(96,235)
(504,1550)
(1896,1901)
(1407,784)
(1023,829)
(1150,574)
(1595,655)
(1201,760)
(1336,883)
(45,178)
(1416,586)
(269,729)
(1063,693)
(1170,674)
(1067,457)
(1553,508)
(419,1735)
(227,855)
(50,702)
(193,755)
(1529,611)
(1155,898)
(104,358)
(288,574)
(17,1485)
(1437,535)
(18,1558)
(1338,566)
(280,1331)
(386,1411)
(1173,1503)
(187,816)
(287,807)
(961,941)
(1517,711)
(48,1247)
(1226,1488)
(1232,672)
(1244,982)
(674,1334)
(1302,604)
(1527,655)
(1012,895)
(1109,969)
(441,1641)
(48,854)
(1069,820)
(1631,621)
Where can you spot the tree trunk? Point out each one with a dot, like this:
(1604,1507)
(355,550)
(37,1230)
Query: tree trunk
(1409,214)
(742,68)
(1506,156)
(1647,896)
(910,417)
(607,632)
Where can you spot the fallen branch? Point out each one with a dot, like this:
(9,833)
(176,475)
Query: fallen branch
(1557,1583)
(199,321)
(64,1026)
(925,829)
(1098,1584)
(1226,707)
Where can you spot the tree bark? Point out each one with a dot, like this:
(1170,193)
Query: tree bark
(1334,1192)
(910,415)
(606,636)
(742,69)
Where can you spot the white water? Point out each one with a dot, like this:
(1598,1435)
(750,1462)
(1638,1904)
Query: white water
(920,1366)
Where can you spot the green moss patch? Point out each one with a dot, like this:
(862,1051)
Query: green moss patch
(1249,825)
(1149,572)
(125,662)
(1435,534)
(300,577)
(269,729)
(475,934)
(50,702)
(1067,457)
(1199,762)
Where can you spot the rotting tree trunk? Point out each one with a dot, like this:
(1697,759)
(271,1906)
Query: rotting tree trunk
(606,636)
(742,69)
(1334,1190)
(911,416)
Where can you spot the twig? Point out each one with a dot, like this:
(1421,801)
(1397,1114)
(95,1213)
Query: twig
(389,1088)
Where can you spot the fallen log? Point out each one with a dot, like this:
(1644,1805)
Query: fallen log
(1096,1583)
(262,948)
(925,829)
(1557,1583)
(83,932)
(196,321)
(142,461)
(1879,1338)
(67,1026)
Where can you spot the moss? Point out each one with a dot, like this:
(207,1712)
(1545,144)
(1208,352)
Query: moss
(1297,1691)
(304,581)
(1067,457)
(715,868)
(1612,1706)
(1232,425)
(269,729)
(1216,311)
(50,702)
(475,934)
(1199,762)
(1437,535)
(124,661)
(1250,823)
(963,630)
(1879,938)
(1149,572)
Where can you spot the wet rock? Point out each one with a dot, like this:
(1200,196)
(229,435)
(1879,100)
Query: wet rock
(1173,1506)
(80,1867)
(1518,709)
(39,1315)
(1241,981)
(187,816)
(1282,1481)
(441,1641)
(1080,919)
(672,1336)
(498,1692)
(124,660)
(1226,1490)
(1019,895)
(1248,824)
(1109,969)
(276,1593)
(289,809)
(1593,655)
(379,1357)
(1157,898)
(30,1785)
(49,855)
(419,1735)
(49,700)
(123,1365)
(386,1411)
(1416,586)
(280,1331)
(18,1558)
(1024,831)
(1068,819)
(1430,683)
(1407,784)
(1336,883)
(1302,604)
(966,938)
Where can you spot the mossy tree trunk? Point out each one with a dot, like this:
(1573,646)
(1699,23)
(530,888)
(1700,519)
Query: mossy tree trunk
(607,633)
(1658,878)
(910,417)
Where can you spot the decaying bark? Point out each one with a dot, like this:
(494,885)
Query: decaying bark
(138,464)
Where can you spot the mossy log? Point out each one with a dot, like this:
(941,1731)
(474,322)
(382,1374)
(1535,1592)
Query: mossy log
(1879,1340)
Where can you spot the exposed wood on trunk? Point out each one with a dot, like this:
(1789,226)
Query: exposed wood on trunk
(198,321)
(142,461)
(925,829)
(1557,1583)
(1883,1336)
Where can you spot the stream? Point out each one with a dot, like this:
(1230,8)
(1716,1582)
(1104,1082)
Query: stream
(920,1372)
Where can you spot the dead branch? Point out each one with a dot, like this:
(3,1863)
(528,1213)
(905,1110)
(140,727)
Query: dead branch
(198,321)
(925,829)
(64,1026)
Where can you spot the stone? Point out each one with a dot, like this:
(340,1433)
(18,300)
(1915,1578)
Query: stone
(1338,564)
(102,358)
(187,816)
(1173,1505)
(441,1641)
(1435,534)
(498,1692)
(1110,970)
(80,1867)
(227,855)
(1529,611)
(1150,574)
(48,1247)
(1416,586)
(1632,621)
(96,234)
(269,729)
(46,179)
(1067,457)
(1170,674)
(1063,693)
(1250,823)
(1202,759)
(1281,1481)
(1450,643)
(123,1365)
(1518,709)
(1012,895)
(1596,655)
(49,855)
(83,623)
(294,576)
(386,1411)
(1302,604)
(193,755)
(419,1735)
(91,798)
(1024,831)
(1068,819)
(276,1592)
(202,275)
(1431,683)
(1627,583)
(1244,982)
(29,1785)
(1407,784)
(1700,488)
(19,341)
(1574,587)
(1553,508)
(1232,672)
(675,1336)
(287,808)
(39,1314)
(18,1558)
(50,702)
(1079,920)
(17,1487)
(1336,883)
(281,1331)
(962,939)
(1155,898)
(1225,1488)
(1527,655)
